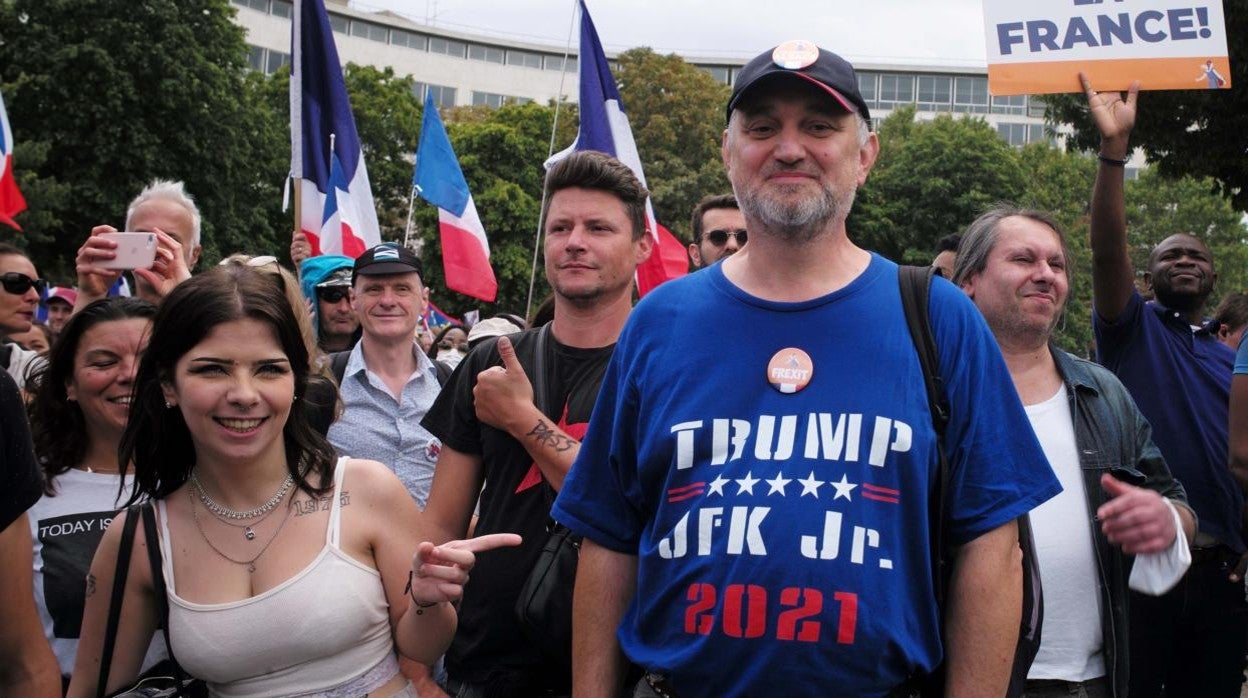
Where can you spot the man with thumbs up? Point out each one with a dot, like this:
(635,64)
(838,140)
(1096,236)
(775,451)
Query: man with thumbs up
(1121,520)
(512,416)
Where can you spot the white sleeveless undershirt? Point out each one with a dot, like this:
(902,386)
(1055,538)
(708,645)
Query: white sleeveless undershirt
(325,630)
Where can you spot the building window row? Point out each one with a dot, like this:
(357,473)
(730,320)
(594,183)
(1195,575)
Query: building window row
(965,94)
(422,42)
(1022,134)
(266,60)
(489,99)
(723,74)
(441,95)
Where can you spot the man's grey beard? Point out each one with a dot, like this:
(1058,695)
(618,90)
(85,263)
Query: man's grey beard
(802,221)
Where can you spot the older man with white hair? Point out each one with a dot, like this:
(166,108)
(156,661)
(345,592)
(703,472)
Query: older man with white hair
(163,208)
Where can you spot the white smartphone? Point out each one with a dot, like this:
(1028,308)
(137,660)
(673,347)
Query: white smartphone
(134,250)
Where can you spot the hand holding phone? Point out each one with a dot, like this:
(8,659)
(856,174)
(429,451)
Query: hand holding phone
(133,251)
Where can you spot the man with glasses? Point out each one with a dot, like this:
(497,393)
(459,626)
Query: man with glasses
(326,283)
(718,229)
(22,289)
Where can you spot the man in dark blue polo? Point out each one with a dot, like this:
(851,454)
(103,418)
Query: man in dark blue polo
(1192,640)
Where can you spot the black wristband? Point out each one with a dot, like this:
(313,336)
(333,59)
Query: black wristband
(408,592)
(1111,161)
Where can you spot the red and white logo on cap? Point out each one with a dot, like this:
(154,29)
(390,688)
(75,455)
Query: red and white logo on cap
(795,54)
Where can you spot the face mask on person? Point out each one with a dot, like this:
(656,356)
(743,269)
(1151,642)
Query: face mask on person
(450,357)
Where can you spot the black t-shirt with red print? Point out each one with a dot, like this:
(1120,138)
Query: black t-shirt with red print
(513,500)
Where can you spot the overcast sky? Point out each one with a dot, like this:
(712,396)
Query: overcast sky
(934,32)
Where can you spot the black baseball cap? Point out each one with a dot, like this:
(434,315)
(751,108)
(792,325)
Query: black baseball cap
(387,258)
(805,60)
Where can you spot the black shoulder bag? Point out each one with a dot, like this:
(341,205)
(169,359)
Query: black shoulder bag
(544,606)
(166,679)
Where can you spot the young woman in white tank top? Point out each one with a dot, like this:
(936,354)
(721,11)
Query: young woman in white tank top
(289,572)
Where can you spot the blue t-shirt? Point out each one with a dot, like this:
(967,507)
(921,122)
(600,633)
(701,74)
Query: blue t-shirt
(783,538)
(1241,358)
(1181,381)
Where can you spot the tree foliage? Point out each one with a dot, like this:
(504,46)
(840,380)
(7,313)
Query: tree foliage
(105,95)
(1190,132)
(930,180)
(677,113)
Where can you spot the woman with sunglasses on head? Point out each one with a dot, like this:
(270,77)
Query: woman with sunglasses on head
(22,289)
(288,571)
(321,401)
(79,407)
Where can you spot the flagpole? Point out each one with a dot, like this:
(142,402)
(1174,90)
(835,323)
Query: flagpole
(550,150)
(407,232)
(298,184)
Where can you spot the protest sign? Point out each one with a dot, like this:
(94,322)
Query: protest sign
(1039,46)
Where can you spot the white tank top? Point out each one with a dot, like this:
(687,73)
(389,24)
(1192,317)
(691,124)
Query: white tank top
(320,630)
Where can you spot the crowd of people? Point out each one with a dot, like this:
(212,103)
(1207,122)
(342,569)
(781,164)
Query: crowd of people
(779,475)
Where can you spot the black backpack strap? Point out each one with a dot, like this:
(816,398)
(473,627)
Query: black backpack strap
(119,593)
(537,372)
(338,364)
(915,283)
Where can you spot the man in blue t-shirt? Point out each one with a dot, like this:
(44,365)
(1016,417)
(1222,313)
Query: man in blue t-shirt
(1192,640)
(759,524)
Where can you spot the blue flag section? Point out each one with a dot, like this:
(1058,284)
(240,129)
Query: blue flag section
(437,177)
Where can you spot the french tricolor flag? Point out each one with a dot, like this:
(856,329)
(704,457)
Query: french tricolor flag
(336,209)
(11,200)
(438,180)
(605,128)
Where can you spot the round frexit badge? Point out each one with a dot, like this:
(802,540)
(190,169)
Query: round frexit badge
(790,370)
(795,54)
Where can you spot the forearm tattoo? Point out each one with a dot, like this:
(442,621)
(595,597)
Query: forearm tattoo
(90,585)
(545,434)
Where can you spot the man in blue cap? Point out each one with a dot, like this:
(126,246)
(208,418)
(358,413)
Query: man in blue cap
(759,525)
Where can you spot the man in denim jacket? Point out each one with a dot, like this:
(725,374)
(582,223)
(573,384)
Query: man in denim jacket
(1116,516)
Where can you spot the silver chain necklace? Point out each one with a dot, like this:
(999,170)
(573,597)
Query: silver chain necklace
(227,513)
(250,564)
(249,529)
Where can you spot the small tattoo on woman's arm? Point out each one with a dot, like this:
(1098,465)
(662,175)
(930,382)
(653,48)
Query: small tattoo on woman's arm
(90,584)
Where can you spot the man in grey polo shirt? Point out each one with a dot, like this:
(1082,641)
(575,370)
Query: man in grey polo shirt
(389,384)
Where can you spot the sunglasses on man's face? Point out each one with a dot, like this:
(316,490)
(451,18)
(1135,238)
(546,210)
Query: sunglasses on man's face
(18,284)
(719,238)
(332,295)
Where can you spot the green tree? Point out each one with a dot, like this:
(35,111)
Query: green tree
(677,113)
(501,152)
(105,95)
(931,180)
(1190,132)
